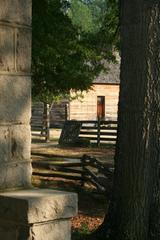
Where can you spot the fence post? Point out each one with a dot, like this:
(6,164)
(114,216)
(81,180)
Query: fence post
(83,160)
(98,131)
(66,111)
(46,121)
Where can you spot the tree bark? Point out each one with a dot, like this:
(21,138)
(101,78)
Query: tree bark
(134,212)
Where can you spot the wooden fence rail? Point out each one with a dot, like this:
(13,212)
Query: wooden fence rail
(99,131)
(96,173)
(86,169)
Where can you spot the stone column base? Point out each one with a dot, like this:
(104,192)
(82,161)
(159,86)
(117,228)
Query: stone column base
(36,215)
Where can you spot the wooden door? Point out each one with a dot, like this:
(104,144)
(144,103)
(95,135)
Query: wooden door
(101,107)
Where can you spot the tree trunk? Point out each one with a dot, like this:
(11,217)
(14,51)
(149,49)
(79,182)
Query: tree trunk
(134,212)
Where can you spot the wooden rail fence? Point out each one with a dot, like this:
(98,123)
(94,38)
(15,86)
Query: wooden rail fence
(99,131)
(40,121)
(85,169)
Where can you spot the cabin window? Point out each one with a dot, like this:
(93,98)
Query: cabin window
(101,107)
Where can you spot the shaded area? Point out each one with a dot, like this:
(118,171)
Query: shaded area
(92,206)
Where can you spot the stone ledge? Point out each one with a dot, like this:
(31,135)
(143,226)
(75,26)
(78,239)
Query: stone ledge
(55,230)
(37,206)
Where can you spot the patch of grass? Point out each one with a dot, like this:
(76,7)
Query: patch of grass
(79,234)
(103,145)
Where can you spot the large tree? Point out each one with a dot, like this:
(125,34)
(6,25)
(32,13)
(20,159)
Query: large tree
(134,212)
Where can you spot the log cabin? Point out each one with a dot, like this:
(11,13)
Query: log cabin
(99,102)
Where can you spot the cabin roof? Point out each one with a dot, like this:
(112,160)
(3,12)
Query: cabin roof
(110,77)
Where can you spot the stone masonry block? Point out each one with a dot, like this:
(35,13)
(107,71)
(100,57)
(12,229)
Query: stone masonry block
(56,230)
(15,99)
(15,175)
(36,214)
(15,143)
(17,11)
(20,142)
(35,206)
(23,55)
(6,48)
(4,144)
(8,231)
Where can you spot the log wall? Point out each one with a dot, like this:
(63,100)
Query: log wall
(86,108)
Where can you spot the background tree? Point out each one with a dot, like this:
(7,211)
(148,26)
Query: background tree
(66,53)
(87,15)
(81,16)
(134,212)
(61,61)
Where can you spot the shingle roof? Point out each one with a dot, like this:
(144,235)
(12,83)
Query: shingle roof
(112,76)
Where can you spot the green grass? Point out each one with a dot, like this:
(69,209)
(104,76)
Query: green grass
(79,234)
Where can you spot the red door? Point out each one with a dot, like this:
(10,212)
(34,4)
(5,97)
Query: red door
(101,107)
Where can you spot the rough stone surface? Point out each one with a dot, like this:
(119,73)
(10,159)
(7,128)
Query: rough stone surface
(15,93)
(36,214)
(57,230)
(15,175)
(4,144)
(17,11)
(23,54)
(15,143)
(20,140)
(8,231)
(12,231)
(15,49)
(15,99)
(30,206)
(7,57)
(54,230)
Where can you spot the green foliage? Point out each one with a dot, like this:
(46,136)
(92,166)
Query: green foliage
(98,9)
(69,45)
(88,16)
(109,31)
(81,16)
(107,38)
(61,61)
(104,33)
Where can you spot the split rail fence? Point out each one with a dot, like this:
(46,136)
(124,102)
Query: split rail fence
(85,169)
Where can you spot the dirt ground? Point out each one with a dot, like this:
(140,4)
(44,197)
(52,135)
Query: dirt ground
(102,153)
(92,206)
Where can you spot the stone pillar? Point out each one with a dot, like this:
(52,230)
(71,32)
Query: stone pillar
(15,97)
(24,214)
